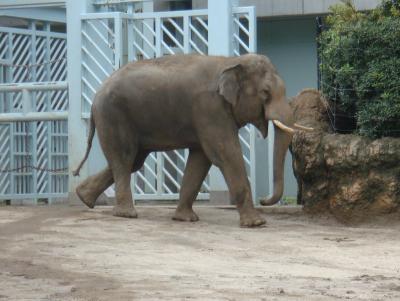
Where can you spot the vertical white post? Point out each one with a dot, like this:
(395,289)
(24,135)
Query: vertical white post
(220,37)
(220,27)
(49,124)
(253,49)
(32,107)
(119,51)
(160,173)
(148,7)
(9,79)
(77,134)
(131,50)
(158,37)
(253,29)
(186,36)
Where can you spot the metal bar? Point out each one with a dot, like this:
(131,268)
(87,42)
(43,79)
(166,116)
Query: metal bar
(179,171)
(241,43)
(241,26)
(148,27)
(141,50)
(252,29)
(164,29)
(198,34)
(95,46)
(27,106)
(166,188)
(95,61)
(86,67)
(131,52)
(241,9)
(144,38)
(87,83)
(154,189)
(177,27)
(160,175)
(29,32)
(106,15)
(158,37)
(33,116)
(196,48)
(34,86)
(201,21)
(167,47)
(25,196)
(99,34)
(186,34)
(119,52)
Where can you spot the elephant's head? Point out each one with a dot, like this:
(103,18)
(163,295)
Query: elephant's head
(257,94)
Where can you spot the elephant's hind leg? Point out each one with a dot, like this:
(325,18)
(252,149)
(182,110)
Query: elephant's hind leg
(90,189)
(196,170)
(121,170)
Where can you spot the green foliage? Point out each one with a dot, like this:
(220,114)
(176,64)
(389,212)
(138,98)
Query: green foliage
(360,66)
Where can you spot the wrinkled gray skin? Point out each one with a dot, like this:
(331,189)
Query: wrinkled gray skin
(187,101)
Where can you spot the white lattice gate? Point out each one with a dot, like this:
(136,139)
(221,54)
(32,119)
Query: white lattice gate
(33,107)
(110,40)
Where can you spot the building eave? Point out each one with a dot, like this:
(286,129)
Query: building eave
(9,4)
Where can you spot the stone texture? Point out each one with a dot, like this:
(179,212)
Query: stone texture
(350,176)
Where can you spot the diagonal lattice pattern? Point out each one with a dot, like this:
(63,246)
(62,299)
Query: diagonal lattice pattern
(150,36)
(33,56)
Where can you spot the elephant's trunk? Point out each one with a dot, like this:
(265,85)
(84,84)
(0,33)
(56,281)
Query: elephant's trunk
(282,140)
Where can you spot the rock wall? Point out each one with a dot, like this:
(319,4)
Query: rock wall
(350,176)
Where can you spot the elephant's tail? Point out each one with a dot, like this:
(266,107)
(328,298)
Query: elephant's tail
(89,145)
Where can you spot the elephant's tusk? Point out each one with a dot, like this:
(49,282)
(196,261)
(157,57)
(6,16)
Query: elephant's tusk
(303,128)
(283,127)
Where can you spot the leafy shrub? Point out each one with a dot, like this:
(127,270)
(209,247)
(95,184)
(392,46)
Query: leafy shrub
(360,66)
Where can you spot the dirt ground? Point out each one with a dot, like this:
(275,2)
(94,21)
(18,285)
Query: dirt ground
(72,253)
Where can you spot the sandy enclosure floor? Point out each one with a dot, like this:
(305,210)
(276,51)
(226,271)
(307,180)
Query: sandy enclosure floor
(72,253)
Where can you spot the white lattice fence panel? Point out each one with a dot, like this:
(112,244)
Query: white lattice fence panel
(198,34)
(5,162)
(107,38)
(30,55)
(154,35)
(98,55)
(4,45)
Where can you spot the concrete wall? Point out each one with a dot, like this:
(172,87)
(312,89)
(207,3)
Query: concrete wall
(291,46)
(268,8)
(300,7)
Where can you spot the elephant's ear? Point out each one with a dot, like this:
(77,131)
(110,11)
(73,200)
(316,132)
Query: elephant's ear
(229,85)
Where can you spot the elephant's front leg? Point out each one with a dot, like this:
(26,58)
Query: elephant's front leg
(226,154)
(196,170)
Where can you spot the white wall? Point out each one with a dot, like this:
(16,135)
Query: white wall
(266,8)
(291,46)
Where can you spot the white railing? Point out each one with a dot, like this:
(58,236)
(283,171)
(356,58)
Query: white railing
(33,114)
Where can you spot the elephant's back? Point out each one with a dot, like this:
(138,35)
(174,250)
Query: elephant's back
(166,79)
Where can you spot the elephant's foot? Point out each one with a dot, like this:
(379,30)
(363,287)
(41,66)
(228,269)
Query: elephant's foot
(86,195)
(124,211)
(251,218)
(185,215)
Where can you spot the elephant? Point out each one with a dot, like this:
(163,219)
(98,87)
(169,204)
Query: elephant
(187,101)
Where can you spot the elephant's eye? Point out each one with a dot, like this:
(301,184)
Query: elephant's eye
(265,95)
